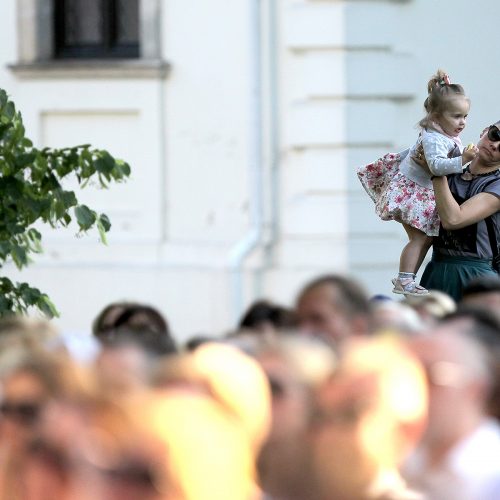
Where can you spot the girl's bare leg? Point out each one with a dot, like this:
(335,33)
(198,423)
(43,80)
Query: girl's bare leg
(415,250)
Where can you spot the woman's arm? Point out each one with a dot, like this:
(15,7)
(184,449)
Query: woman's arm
(455,216)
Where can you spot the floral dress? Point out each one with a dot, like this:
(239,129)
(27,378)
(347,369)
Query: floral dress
(402,191)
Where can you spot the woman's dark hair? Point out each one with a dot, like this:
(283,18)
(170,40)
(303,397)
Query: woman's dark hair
(134,322)
(264,312)
(197,340)
(482,284)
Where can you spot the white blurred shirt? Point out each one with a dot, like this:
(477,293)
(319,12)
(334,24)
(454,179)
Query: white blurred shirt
(469,472)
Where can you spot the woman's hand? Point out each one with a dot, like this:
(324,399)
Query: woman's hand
(419,158)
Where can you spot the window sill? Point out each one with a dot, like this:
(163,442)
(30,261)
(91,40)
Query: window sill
(90,68)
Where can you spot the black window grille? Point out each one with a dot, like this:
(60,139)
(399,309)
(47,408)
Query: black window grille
(96,28)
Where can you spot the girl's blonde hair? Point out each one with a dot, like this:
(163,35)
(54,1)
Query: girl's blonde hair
(441,92)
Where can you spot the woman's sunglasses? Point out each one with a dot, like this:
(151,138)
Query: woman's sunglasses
(494,134)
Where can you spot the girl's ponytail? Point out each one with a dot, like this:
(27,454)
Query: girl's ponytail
(440,79)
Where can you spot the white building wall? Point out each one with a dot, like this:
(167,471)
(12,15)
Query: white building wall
(353,82)
(341,83)
(186,138)
(338,111)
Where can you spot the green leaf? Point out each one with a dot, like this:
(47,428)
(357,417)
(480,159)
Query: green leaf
(24,159)
(49,182)
(105,163)
(103,226)
(4,250)
(66,219)
(6,285)
(106,223)
(19,256)
(29,295)
(6,306)
(85,217)
(34,235)
(3,98)
(47,306)
(122,169)
(125,167)
(18,134)
(14,228)
(59,209)
(69,199)
(4,127)
(102,182)
(87,155)
(35,239)
(10,110)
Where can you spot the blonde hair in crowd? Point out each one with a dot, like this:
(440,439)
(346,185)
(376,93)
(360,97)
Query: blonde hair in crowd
(441,92)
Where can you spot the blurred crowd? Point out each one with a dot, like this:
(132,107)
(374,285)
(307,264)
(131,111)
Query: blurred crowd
(342,396)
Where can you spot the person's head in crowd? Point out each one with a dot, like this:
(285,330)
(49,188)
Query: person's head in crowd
(247,342)
(214,385)
(295,365)
(22,332)
(180,445)
(367,418)
(89,449)
(238,382)
(398,317)
(483,324)
(32,382)
(432,306)
(135,322)
(123,367)
(333,306)
(50,458)
(476,320)
(483,291)
(459,381)
(264,317)
(29,379)
(230,376)
(460,441)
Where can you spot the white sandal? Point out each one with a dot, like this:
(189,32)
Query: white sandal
(408,286)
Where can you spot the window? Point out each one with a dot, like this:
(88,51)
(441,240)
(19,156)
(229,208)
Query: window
(72,38)
(96,29)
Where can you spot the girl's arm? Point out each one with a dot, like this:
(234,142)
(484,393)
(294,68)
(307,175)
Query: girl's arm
(436,150)
(455,216)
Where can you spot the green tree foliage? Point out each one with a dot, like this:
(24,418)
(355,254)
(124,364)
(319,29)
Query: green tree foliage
(31,192)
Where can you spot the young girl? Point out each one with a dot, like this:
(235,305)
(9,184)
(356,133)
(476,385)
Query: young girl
(402,190)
